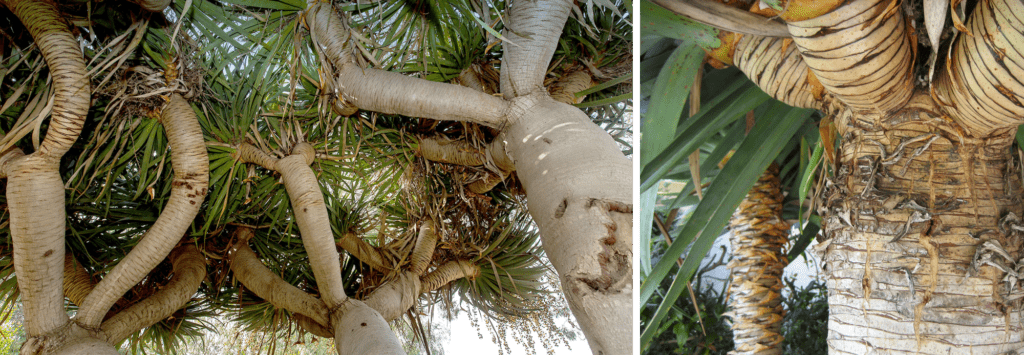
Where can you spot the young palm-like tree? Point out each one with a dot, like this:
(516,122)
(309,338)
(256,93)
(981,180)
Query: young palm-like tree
(758,237)
(310,165)
(921,229)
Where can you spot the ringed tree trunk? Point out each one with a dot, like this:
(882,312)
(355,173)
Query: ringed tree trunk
(35,193)
(922,220)
(758,235)
(578,183)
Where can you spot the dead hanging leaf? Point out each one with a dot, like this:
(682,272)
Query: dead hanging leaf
(935,20)
(957,15)
(827,129)
(695,156)
(695,172)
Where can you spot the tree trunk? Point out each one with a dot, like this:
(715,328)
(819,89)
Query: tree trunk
(579,193)
(758,235)
(922,220)
(578,183)
(909,216)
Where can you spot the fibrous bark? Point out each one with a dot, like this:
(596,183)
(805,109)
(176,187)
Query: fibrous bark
(758,235)
(907,214)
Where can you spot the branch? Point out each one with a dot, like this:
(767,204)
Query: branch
(189,267)
(395,93)
(395,297)
(980,86)
(718,15)
(77,282)
(250,271)
(363,251)
(450,271)
(533,29)
(461,152)
(423,252)
(63,55)
(310,214)
(188,190)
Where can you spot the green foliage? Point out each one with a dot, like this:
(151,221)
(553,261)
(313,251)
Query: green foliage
(805,325)
(252,75)
(714,133)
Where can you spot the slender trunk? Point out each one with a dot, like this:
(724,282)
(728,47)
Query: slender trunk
(917,218)
(758,235)
(35,191)
(191,177)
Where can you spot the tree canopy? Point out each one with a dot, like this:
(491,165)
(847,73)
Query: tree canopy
(257,76)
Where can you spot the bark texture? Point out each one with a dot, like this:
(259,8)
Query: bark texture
(861,52)
(758,235)
(189,267)
(35,191)
(981,85)
(580,199)
(188,190)
(910,217)
(77,281)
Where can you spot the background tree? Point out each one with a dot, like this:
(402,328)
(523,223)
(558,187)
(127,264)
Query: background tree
(306,165)
(916,201)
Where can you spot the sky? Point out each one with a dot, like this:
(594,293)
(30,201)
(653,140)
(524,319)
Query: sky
(465,341)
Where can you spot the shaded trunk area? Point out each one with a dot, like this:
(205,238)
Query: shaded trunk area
(758,235)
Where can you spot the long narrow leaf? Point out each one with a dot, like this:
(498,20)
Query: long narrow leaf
(760,147)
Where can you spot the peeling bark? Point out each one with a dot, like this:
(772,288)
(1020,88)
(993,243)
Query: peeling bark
(911,206)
